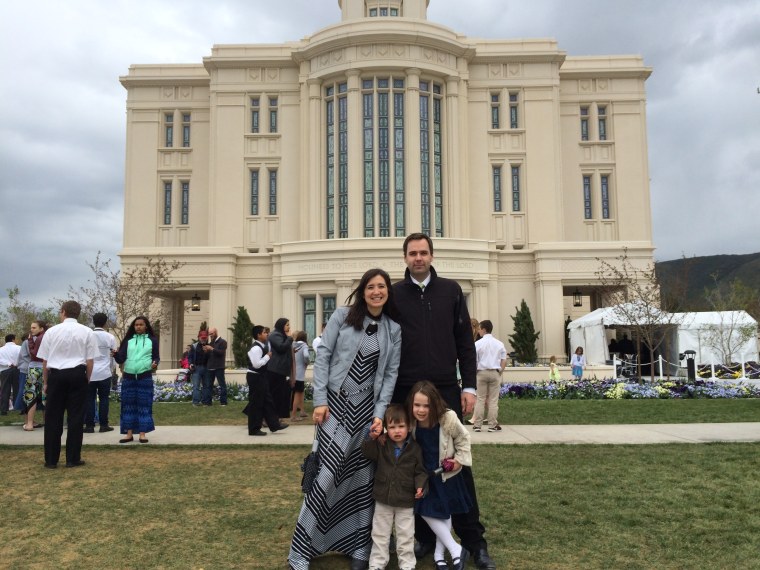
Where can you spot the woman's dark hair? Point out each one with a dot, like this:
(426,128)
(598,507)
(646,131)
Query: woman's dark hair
(42,324)
(358,306)
(437,405)
(280,324)
(131,329)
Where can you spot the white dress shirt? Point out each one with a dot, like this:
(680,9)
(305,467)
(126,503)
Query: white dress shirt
(491,352)
(9,355)
(68,345)
(102,368)
(258,357)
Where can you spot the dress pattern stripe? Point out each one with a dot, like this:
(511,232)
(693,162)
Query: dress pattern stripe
(337,515)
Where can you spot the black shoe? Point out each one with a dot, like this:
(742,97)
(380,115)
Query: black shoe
(422,549)
(482,560)
(258,432)
(461,562)
(50,465)
(280,428)
(75,463)
(358,564)
(104,429)
(89,429)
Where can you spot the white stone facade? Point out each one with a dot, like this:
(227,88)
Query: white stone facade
(279,173)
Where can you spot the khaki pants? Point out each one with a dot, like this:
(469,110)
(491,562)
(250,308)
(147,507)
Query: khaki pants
(382,523)
(489,383)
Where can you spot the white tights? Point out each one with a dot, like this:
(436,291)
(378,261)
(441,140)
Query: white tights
(443,538)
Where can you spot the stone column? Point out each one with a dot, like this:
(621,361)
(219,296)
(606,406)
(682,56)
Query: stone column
(355,185)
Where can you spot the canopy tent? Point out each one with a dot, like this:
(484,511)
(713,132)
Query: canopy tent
(695,331)
(588,330)
(687,331)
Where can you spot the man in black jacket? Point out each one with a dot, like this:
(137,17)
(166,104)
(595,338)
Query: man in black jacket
(436,334)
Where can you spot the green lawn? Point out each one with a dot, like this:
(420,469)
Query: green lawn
(511,412)
(598,507)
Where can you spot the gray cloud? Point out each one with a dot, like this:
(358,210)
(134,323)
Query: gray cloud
(62,109)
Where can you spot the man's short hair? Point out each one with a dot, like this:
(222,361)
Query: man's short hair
(487,326)
(72,309)
(10,337)
(418,236)
(99,319)
(257,330)
(395,414)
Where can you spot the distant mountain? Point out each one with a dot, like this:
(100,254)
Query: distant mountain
(684,280)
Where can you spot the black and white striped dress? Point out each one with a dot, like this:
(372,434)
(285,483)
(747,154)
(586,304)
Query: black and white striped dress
(337,515)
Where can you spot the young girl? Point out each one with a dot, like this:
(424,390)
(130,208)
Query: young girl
(445,443)
(554,370)
(578,362)
(301,357)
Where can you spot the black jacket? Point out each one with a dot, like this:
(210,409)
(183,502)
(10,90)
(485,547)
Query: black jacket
(435,332)
(217,357)
(396,480)
(281,361)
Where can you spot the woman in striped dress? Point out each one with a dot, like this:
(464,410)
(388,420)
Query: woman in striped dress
(354,377)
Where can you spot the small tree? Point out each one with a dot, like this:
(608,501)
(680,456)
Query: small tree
(733,330)
(18,315)
(241,337)
(634,294)
(127,293)
(524,339)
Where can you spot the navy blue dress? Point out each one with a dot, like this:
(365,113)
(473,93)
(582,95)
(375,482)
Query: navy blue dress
(442,499)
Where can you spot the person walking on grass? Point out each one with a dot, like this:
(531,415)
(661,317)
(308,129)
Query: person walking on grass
(260,404)
(138,354)
(68,351)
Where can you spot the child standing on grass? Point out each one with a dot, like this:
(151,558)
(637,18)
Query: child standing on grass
(400,477)
(445,444)
(554,370)
(578,362)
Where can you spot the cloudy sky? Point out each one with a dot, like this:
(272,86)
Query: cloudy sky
(62,109)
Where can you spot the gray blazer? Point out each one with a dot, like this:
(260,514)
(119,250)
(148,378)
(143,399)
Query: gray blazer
(340,343)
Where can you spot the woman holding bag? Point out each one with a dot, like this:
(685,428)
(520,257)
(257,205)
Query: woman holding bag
(354,377)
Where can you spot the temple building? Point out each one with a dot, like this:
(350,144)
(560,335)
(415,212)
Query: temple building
(279,173)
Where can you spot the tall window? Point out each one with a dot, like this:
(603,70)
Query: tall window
(587,197)
(273,114)
(342,160)
(431,183)
(254,192)
(584,123)
(513,123)
(495,123)
(255,114)
(330,182)
(272,192)
(186,130)
(398,155)
(496,173)
(384,156)
(368,101)
(328,307)
(605,190)
(167,203)
(515,188)
(602,113)
(169,130)
(185,203)
(310,316)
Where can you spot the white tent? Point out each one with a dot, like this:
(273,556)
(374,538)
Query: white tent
(588,330)
(692,328)
(695,328)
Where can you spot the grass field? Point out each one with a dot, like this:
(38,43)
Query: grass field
(511,412)
(598,507)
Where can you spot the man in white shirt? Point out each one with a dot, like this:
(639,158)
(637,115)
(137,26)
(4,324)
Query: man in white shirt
(317,341)
(8,372)
(100,382)
(68,351)
(491,358)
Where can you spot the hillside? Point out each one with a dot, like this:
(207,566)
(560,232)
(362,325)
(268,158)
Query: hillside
(684,280)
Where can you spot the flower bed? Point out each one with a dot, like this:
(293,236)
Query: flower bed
(730,372)
(182,391)
(618,389)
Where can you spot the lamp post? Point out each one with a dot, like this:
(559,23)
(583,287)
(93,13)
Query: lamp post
(577,298)
(195,302)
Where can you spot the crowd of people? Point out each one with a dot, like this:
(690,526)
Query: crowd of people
(396,370)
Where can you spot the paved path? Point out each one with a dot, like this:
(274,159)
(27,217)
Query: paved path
(517,434)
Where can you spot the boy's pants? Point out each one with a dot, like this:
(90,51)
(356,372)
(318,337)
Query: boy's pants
(382,524)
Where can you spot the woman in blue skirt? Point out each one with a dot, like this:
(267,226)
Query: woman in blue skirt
(138,354)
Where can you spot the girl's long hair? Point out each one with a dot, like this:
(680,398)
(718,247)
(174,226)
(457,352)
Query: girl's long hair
(358,306)
(280,324)
(438,406)
(131,329)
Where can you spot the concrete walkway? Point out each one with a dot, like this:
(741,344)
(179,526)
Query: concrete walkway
(298,434)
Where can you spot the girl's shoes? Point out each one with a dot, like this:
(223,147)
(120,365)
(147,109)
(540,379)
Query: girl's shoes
(461,562)
(441,565)
(28,428)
